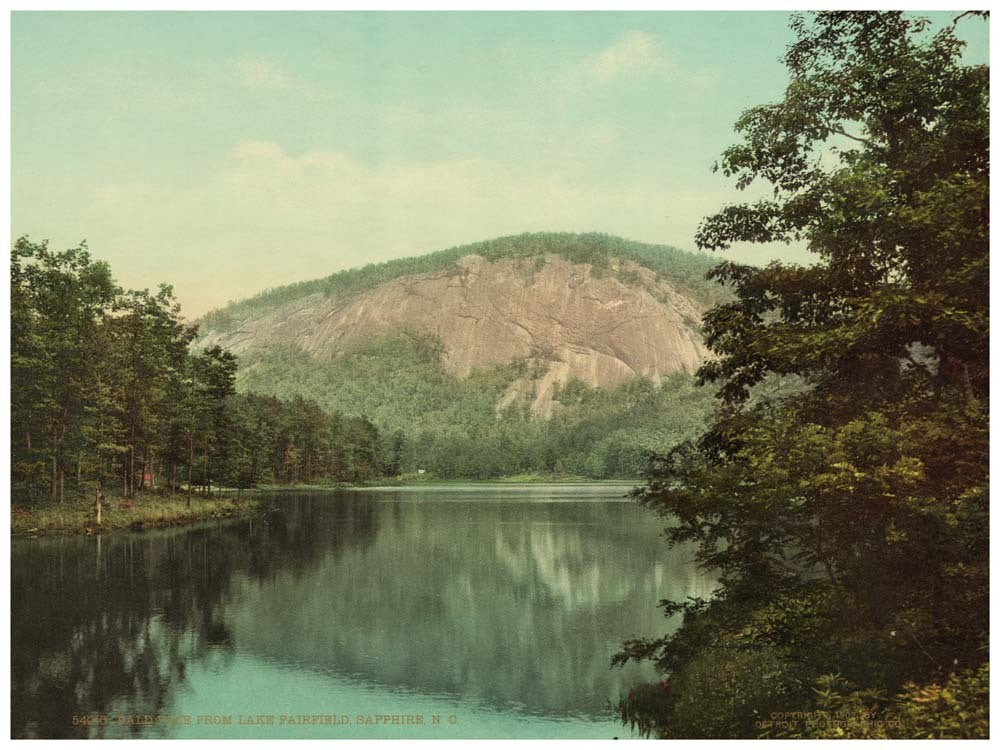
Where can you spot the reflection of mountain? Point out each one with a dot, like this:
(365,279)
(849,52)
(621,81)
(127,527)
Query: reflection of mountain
(517,604)
(526,610)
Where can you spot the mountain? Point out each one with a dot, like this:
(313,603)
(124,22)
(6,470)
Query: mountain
(530,327)
(587,307)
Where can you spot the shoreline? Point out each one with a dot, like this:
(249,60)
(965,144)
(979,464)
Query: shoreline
(162,511)
(385,483)
(412,480)
(144,512)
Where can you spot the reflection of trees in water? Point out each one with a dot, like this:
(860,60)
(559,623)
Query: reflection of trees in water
(102,619)
(527,609)
(511,603)
(104,625)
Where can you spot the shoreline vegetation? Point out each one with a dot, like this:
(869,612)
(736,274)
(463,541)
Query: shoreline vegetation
(107,395)
(78,516)
(847,521)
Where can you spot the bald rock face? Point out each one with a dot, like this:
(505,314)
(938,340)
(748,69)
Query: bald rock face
(601,326)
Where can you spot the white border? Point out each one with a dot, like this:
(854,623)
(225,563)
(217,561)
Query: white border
(5,195)
(488,5)
(387,5)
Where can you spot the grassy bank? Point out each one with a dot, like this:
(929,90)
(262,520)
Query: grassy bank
(147,511)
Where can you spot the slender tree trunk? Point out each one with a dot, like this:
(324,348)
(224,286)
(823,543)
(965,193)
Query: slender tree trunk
(27,440)
(131,471)
(173,478)
(62,483)
(79,471)
(208,483)
(142,471)
(100,497)
(190,467)
(53,477)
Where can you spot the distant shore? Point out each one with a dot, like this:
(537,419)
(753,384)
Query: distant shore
(77,516)
(429,482)
(420,479)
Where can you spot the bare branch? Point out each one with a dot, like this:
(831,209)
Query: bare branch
(859,139)
(980,13)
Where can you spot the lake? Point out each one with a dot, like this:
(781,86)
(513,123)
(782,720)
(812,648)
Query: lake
(479,611)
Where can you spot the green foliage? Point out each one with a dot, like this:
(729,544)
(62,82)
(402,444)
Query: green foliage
(58,303)
(687,270)
(847,515)
(294,441)
(106,392)
(76,514)
(721,692)
(959,709)
(450,427)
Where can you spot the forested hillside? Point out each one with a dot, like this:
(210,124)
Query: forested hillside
(547,354)
(451,426)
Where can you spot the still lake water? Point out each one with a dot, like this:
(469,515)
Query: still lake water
(496,608)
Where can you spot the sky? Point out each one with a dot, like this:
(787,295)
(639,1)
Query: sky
(225,153)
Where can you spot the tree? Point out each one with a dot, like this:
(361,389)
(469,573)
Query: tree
(848,516)
(214,373)
(149,357)
(105,387)
(363,438)
(58,302)
(397,447)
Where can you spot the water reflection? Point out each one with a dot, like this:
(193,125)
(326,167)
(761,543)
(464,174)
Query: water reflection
(515,602)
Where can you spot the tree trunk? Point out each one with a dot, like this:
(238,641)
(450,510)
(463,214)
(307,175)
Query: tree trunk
(53,477)
(131,471)
(190,467)
(207,483)
(98,505)
(62,483)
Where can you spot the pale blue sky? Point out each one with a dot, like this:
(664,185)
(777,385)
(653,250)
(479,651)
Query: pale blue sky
(229,152)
